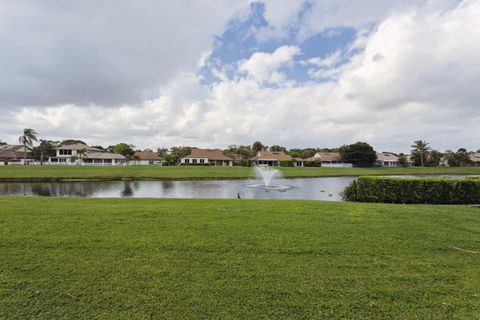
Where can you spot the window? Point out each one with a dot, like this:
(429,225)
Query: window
(202,160)
(187,160)
(194,161)
(63,152)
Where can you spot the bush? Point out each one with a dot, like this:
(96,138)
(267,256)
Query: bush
(413,191)
(316,163)
(287,163)
(245,163)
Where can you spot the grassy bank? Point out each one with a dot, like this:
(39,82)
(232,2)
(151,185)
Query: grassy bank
(225,259)
(26,173)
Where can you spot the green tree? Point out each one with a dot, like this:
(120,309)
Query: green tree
(71,141)
(459,158)
(82,154)
(162,152)
(177,153)
(45,149)
(124,149)
(277,148)
(420,150)
(258,146)
(360,154)
(2,143)
(402,160)
(434,158)
(26,139)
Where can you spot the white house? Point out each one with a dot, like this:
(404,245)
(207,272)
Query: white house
(213,157)
(82,154)
(330,159)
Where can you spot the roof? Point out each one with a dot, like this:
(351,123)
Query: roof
(387,157)
(326,156)
(105,155)
(475,157)
(77,146)
(13,151)
(147,155)
(273,155)
(210,154)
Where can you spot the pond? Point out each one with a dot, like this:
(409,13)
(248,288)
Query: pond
(302,189)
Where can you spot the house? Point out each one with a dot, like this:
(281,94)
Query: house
(387,159)
(330,159)
(14,154)
(214,157)
(79,153)
(146,158)
(475,157)
(271,158)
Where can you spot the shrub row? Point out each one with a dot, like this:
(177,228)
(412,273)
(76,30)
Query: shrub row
(413,190)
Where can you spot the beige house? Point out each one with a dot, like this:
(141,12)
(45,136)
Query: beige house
(146,158)
(330,159)
(475,157)
(271,158)
(14,154)
(73,154)
(214,157)
(386,159)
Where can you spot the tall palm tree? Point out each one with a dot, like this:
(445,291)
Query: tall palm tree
(26,139)
(421,147)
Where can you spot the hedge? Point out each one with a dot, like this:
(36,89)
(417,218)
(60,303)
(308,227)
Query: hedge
(414,190)
(315,163)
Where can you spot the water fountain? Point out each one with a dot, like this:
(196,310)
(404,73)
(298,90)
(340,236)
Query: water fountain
(267,175)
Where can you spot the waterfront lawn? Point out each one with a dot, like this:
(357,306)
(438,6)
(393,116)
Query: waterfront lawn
(73,258)
(200,172)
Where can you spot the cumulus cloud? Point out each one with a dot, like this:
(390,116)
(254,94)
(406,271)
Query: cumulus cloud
(103,53)
(263,67)
(414,77)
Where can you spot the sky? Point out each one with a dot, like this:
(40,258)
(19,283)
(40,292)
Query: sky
(210,73)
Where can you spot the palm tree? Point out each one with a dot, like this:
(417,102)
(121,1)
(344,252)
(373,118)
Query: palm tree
(421,147)
(26,139)
(82,154)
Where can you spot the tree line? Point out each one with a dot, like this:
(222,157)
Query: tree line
(360,154)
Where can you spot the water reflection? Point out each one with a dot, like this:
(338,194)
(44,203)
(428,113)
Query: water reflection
(316,189)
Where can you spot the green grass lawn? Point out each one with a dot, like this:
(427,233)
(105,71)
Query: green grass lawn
(199,172)
(236,259)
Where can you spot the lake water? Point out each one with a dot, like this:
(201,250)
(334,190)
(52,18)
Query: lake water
(303,189)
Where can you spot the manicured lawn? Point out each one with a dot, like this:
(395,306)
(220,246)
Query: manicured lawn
(236,259)
(200,172)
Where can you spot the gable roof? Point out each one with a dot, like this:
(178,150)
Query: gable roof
(105,155)
(210,154)
(77,146)
(387,157)
(273,155)
(13,151)
(326,156)
(475,157)
(147,155)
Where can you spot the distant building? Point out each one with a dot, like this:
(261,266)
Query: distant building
(475,157)
(146,158)
(330,159)
(72,155)
(214,157)
(387,159)
(14,154)
(271,158)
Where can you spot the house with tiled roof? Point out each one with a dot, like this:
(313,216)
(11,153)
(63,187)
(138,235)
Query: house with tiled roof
(14,154)
(146,157)
(214,157)
(271,158)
